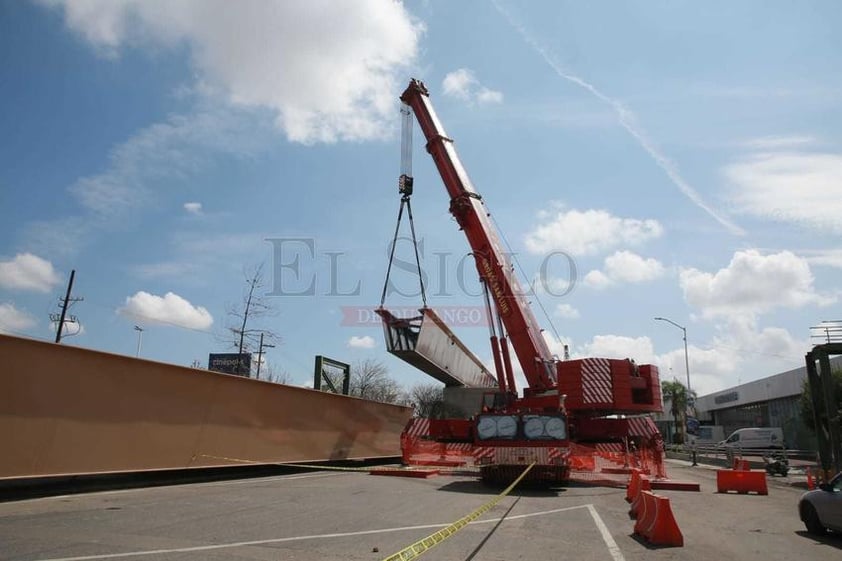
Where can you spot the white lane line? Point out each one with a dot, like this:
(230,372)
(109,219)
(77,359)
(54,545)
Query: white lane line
(613,548)
(297,538)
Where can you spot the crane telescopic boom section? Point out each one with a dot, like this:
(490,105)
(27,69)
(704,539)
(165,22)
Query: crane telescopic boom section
(466,205)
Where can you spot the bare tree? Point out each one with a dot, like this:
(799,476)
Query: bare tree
(370,380)
(270,373)
(428,400)
(240,333)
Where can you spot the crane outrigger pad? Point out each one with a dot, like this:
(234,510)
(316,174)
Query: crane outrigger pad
(425,342)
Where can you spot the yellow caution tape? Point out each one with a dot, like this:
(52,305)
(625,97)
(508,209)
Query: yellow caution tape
(302,466)
(425,544)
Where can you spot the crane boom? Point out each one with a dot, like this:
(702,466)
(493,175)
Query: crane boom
(571,411)
(467,206)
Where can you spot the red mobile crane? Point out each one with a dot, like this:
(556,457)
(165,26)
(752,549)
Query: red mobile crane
(571,412)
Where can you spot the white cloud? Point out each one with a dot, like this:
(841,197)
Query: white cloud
(774,142)
(752,284)
(639,349)
(597,279)
(14,320)
(326,69)
(463,84)
(566,311)
(171,309)
(624,266)
(28,272)
(193,208)
(710,369)
(588,232)
(485,95)
(782,184)
(824,257)
(364,342)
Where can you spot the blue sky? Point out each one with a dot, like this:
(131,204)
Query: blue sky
(687,157)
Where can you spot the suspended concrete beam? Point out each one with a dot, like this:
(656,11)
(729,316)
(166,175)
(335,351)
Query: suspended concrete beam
(425,342)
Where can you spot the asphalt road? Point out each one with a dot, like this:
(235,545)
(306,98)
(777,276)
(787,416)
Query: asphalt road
(341,515)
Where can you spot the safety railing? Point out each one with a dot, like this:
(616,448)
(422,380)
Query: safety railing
(718,455)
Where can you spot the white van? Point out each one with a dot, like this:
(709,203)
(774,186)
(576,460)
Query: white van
(762,437)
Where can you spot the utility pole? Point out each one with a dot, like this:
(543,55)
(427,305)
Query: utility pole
(65,304)
(139,339)
(260,355)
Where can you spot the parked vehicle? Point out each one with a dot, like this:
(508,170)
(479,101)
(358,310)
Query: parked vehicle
(709,435)
(776,463)
(821,509)
(755,437)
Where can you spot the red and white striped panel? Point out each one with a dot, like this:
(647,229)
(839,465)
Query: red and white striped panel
(465,447)
(609,447)
(483,452)
(417,427)
(642,426)
(556,453)
(596,381)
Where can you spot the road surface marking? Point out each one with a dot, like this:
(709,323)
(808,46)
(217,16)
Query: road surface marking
(301,538)
(613,548)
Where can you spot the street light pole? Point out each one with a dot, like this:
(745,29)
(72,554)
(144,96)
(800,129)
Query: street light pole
(139,338)
(686,356)
(689,397)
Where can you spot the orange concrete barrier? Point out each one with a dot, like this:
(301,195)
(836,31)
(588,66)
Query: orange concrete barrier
(647,513)
(741,481)
(645,485)
(657,524)
(634,485)
(741,465)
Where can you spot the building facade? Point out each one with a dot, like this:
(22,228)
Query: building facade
(768,402)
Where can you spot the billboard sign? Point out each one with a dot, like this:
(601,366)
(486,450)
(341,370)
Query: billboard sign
(230,363)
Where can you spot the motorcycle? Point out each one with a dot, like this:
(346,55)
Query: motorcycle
(776,464)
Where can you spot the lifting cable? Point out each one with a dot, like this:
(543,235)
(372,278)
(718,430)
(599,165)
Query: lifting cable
(404,203)
(405,189)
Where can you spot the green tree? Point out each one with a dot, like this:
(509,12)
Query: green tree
(676,393)
(806,400)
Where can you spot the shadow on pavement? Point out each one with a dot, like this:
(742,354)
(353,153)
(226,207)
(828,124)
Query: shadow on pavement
(832,539)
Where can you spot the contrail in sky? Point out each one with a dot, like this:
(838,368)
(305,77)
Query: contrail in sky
(627,120)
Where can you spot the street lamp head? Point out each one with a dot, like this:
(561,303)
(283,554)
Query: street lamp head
(686,355)
(138,328)
(668,320)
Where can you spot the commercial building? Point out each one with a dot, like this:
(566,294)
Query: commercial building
(768,402)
